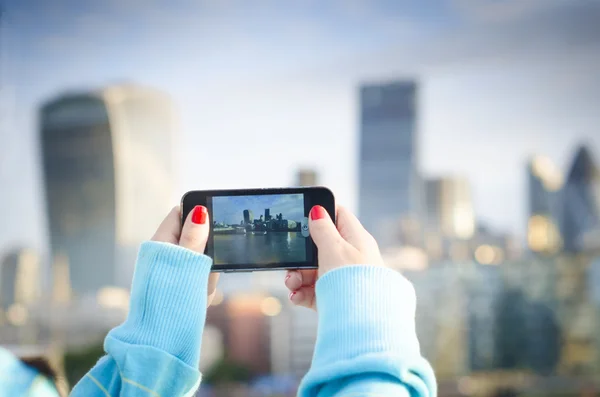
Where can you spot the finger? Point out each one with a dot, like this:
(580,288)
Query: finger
(298,278)
(170,228)
(293,280)
(351,229)
(322,230)
(195,230)
(304,296)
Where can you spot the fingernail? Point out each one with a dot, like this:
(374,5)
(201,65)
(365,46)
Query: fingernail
(292,294)
(317,212)
(288,277)
(199,215)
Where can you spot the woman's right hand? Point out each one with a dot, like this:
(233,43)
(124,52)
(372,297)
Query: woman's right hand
(346,244)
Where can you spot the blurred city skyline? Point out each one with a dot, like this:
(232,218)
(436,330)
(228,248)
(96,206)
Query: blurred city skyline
(474,124)
(498,82)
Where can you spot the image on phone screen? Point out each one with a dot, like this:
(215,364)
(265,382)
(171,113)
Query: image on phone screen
(259,229)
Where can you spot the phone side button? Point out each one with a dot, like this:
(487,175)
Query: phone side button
(304,228)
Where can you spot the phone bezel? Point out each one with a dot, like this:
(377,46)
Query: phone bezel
(318,195)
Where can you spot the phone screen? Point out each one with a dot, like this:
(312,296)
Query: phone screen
(260,229)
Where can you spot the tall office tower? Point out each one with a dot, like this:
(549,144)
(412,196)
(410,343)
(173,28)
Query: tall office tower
(544,181)
(388,171)
(108,173)
(248,216)
(449,207)
(581,201)
(307,177)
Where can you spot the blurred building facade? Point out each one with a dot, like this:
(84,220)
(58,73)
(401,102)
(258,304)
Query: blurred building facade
(545,182)
(20,292)
(293,337)
(20,281)
(449,219)
(108,174)
(390,189)
(307,177)
(243,319)
(449,207)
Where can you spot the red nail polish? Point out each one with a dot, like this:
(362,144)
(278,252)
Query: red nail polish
(199,215)
(292,294)
(317,212)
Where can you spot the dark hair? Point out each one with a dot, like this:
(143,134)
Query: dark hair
(42,366)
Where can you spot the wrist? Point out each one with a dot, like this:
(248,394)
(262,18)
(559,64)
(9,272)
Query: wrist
(168,301)
(364,309)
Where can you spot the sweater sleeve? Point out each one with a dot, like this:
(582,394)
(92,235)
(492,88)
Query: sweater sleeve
(366,340)
(156,350)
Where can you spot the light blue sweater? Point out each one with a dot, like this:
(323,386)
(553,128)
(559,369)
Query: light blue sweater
(366,344)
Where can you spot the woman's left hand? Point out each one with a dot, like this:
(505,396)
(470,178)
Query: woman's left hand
(193,236)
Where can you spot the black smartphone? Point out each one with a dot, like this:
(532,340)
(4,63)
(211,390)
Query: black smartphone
(260,229)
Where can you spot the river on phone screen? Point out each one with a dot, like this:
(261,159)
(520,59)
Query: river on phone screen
(259,248)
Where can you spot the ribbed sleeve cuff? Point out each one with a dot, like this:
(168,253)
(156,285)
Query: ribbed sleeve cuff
(168,301)
(364,310)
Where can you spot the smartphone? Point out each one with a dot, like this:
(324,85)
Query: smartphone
(260,229)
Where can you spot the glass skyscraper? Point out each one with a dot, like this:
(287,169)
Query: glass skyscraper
(581,201)
(388,174)
(108,173)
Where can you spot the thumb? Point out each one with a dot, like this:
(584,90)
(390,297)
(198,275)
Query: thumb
(195,230)
(322,229)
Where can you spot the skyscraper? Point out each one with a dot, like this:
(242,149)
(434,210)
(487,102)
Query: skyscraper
(20,288)
(544,181)
(108,173)
(581,201)
(388,173)
(449,207)
(248,217)
(20,280)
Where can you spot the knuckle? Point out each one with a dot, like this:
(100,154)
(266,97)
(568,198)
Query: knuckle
(188,239)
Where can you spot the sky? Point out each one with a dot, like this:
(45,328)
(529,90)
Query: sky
(274,84)
(230,209)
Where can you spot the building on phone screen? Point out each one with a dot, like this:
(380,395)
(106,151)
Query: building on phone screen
(107,167)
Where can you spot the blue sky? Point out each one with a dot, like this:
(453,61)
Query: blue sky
(230,209)
(499,81)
